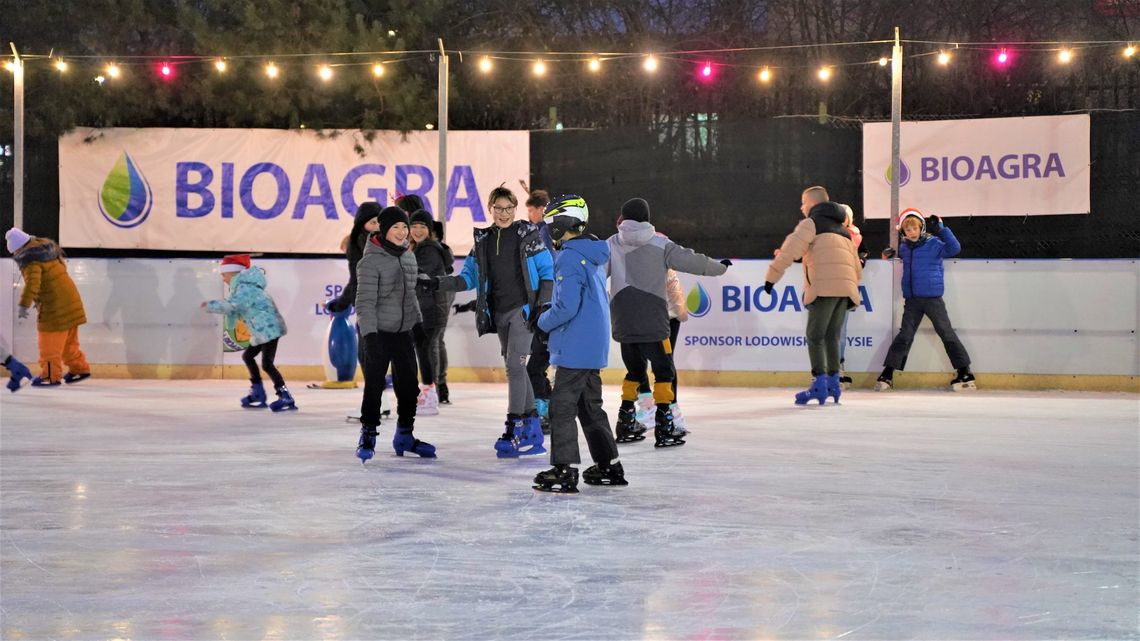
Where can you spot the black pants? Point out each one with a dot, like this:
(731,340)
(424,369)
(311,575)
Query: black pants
(934,309)
(537,366)
(634,356)
(426,340)
(578,393)
(381,350)
(643,386)
(268,352)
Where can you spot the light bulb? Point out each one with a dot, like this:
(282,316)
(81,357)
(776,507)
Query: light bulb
(271,70)
(765,75)
(943,58)
(60,65)
(377,70)
(1129,51)
(595,65)
(485,64)
(650,64)
(884,61)
(539,68)
(113,70)
(325,72)
(220,65)
(825,73)
(1065,56)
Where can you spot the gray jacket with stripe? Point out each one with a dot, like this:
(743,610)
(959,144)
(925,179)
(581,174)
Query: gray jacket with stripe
(639,263)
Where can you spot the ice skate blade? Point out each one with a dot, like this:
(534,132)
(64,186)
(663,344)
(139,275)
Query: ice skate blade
(283,409)
(550,489)
(70,378)
(631,439)
(255,406)
(964,387)
(613,482)
(669,443)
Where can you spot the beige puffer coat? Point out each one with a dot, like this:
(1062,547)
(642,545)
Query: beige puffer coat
(831,265)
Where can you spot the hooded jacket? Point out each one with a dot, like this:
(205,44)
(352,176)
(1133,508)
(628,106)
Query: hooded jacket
(639,264)
(433,259)
(578,320)
(831,265)
(386,290)
(357,239)
(922,275)
(537,270)
(48,285)
(249,301)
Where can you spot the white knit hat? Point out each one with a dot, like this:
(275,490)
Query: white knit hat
(16,238)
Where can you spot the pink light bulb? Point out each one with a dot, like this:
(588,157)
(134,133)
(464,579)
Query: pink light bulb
(165,69)
(1003,57)
(706,71)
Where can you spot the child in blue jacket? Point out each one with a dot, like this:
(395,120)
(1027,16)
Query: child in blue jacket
(253,305)
(921,254)
(578,324)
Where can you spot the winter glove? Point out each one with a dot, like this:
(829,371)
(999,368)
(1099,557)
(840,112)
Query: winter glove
(726,262)
(24,311)
(933,224)
(889,253)
(469,306)
(532,322)
(768,287)
(427,284)
(333,306)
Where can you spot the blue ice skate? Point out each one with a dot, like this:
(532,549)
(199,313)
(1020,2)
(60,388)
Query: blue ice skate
(817,391)
(366,446)
(284,400)
(530,441)
(404,441)
(834,387)
(256,397)
(508,444)
(17,372)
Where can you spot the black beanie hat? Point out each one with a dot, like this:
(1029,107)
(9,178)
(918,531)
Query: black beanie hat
(410,203)
(635,209)
(437,227)
(390,216)
(423,217)
(364,213)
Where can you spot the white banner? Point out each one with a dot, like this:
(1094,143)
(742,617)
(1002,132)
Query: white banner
(986,167)
(734,325)
(243,190)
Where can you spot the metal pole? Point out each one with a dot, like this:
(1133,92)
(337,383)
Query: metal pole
(441,178)
(18,146)
(896,127)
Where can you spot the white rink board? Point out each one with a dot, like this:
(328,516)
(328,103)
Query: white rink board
(1030,317)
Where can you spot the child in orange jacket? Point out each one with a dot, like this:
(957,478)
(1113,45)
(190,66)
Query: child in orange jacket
(48,286)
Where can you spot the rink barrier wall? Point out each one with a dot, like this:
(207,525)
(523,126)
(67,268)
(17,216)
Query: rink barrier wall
(1037,324)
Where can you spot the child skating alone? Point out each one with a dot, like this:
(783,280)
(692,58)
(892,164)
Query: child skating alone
(387,309)
(249,301)
(49,288)
(924,245)
(578,322)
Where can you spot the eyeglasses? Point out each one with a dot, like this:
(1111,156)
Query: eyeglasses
(503,210)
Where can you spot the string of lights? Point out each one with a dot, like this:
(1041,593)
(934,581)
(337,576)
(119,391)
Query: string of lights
(706,61)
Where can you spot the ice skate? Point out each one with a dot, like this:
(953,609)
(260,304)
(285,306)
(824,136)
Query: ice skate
(884,384)
(678,417)
(665,432)
(646,408)
(964,381)
(508,444)
(562,476)
(844,380)
(834,387)
(17,372)
(444,394)
(817,392)
(366,447)
(256,397)
(403,441)
(628,430)
(284,401)
(40,382)
(612,474)
(530,440)
(70,378)
(427,404)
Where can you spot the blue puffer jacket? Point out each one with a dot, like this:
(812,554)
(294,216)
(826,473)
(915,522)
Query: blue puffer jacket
(922,263)
(250,302)
(579,317)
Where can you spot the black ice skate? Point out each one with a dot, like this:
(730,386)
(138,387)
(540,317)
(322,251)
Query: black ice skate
(963,381)
(564,477)
(613,474)
(665,432)
(628,430)
(885,382)
(366,446)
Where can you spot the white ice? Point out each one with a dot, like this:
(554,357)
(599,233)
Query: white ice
(136,509)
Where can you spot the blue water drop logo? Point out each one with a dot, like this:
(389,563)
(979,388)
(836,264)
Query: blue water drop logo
(904,173)
(698,301)
(125,198)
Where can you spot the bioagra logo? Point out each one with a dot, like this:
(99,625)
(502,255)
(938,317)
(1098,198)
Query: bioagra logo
(125,198)
(698,301)
(904,173)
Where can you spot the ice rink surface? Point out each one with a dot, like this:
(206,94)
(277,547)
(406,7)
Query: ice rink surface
(162,510)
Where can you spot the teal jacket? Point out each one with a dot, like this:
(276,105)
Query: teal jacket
(249,301)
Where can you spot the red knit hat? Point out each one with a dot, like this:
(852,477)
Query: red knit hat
(235,263)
